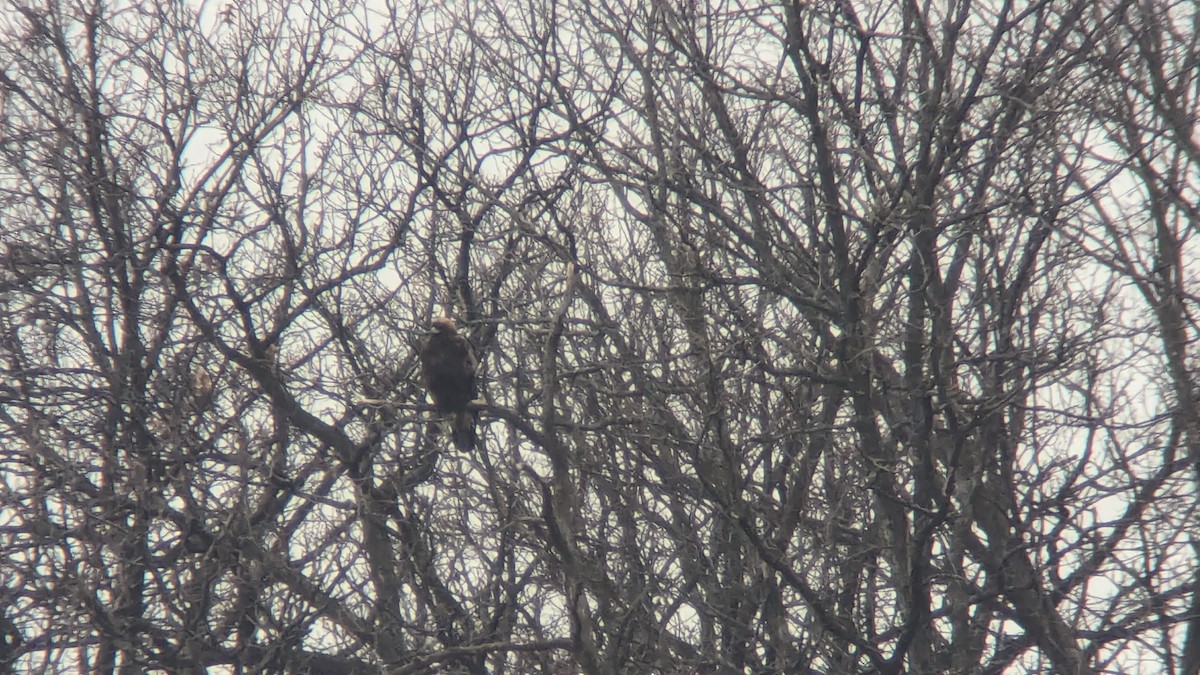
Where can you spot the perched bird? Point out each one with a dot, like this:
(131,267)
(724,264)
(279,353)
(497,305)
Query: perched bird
(448,367)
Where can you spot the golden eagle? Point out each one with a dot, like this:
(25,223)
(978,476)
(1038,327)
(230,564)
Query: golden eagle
(448,366)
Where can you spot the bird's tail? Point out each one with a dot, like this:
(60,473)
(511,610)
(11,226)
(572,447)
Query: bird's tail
(463,431)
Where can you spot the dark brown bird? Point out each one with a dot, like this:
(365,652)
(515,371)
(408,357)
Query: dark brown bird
(448,367)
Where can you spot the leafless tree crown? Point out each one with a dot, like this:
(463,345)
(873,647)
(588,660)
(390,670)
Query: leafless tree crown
(814,337)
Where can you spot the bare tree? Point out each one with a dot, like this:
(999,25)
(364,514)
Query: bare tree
(813,337)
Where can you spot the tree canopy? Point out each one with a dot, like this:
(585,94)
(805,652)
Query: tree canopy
(826,336)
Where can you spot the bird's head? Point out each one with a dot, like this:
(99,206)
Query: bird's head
(443,325)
